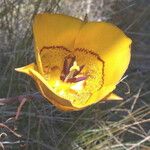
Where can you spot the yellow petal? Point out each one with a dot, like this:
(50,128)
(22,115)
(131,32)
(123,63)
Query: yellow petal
(26,69)
(94,69)
(55,30)
(113,96)
(54,36)
(39,63)
(46,91)
(109,43)
(106,51)
(45,88)
(95,97)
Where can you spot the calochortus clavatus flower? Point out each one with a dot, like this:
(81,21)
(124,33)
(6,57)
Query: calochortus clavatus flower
(78,63)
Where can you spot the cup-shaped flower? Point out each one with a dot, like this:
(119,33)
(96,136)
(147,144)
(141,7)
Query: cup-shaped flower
(78,63)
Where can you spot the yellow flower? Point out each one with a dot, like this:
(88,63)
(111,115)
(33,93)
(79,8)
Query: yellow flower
(78,63)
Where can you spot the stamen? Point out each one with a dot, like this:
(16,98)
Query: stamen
(81,78)
(65,70)
(69,76)
(74,80)
(77,72)
(71,70)
(72,61)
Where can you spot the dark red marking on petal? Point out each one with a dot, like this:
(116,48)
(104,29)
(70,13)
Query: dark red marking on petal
(96,55)
(55,47)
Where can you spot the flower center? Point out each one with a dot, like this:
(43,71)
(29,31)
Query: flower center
(71,72)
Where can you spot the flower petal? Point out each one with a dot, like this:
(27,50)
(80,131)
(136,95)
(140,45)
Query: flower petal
(113,96)
(45,88)
(95,97)
(112,46)
(54,36)
(26,69)
(55,30)
(46,91)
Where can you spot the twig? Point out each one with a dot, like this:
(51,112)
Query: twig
(11,100)
(136,97)
(2,146)
(20,107)
(21,99)
(13,132)
(139,143)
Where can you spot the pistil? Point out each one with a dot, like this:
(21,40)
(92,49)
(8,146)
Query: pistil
(71,71)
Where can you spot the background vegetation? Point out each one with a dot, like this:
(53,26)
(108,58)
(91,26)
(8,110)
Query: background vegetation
(104,126)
